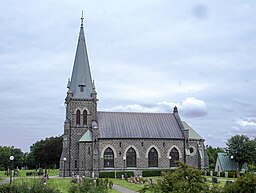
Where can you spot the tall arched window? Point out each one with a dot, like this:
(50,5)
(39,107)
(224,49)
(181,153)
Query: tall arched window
(131,158)
(174,157)
(78,117)
(85,117)
(152,158)
(108,158)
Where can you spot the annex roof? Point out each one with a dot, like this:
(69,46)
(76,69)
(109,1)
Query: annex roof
(138,125)
(192,133)
(87,137)
(226,163)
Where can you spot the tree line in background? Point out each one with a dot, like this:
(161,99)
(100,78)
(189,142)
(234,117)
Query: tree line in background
(44,153)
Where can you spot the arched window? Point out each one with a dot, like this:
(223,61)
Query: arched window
(108,158)
(85,117)
(131,158)
(153,158)
(78,117)
(174,157)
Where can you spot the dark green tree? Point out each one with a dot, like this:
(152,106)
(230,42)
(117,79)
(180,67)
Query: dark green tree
(242,149)
(45,153)
(6,152)
(212,155)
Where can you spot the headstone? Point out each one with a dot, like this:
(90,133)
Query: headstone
(205,172)
(211,173)
(214,180)
(226,174)
(218,173)
(229,182)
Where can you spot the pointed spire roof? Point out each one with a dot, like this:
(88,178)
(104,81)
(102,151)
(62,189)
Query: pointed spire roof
(81,81)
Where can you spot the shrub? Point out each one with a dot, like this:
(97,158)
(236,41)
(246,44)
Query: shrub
(246,183)
(25,187)
(184,179)
(149,173)
(91,186)
(118,174)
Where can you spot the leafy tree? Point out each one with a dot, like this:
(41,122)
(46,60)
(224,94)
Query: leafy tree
(242,149)
(212,155)
(46,153)
(6,152)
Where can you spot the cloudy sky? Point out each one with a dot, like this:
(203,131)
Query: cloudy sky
(145,56)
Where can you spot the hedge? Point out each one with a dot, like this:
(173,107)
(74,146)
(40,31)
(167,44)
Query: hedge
(118,174)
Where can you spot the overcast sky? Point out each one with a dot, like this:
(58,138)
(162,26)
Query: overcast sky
(145,56)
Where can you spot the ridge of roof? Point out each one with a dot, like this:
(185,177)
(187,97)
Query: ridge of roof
(130,112)
(138,125)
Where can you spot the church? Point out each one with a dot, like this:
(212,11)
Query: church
(96,141)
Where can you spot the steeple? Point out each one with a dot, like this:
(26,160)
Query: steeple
(81,84)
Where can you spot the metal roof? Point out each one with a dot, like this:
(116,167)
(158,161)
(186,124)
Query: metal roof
(87,137)
(138,125)
(226,163)
(192,133)
(81,75)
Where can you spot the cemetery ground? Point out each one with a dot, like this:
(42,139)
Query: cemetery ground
(63,184)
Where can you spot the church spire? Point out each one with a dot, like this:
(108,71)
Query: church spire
(81,81)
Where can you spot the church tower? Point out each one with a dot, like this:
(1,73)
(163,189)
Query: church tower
(80,126)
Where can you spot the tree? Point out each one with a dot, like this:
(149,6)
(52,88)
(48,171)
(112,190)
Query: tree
(242,149)
(184,179)
(46,153)
(212,155)
(6,152)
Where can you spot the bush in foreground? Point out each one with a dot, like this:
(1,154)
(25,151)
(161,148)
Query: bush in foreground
(243,184)
(91,186)
(25,187)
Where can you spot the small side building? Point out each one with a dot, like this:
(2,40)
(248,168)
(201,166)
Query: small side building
(225,163)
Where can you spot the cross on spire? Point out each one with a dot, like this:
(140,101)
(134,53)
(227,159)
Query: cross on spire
(82,19)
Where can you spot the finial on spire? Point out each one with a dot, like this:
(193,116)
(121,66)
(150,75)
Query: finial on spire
(82,19)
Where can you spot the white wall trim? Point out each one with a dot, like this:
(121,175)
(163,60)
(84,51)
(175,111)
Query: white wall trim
(174,146)
(153,146)
(136,150)
(108,146)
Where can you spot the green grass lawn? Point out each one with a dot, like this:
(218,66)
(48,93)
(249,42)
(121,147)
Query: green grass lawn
(22,173)
(128,185)
(221,180)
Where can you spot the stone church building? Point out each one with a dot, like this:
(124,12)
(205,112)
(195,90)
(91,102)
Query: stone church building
(95,141)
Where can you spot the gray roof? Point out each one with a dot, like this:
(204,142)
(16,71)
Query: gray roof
(192,133)
(138,125)
(81,74)
(87,137)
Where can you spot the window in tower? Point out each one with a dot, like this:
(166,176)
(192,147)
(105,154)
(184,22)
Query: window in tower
(85,117)
(81,88)
(78,117)
(75,163)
